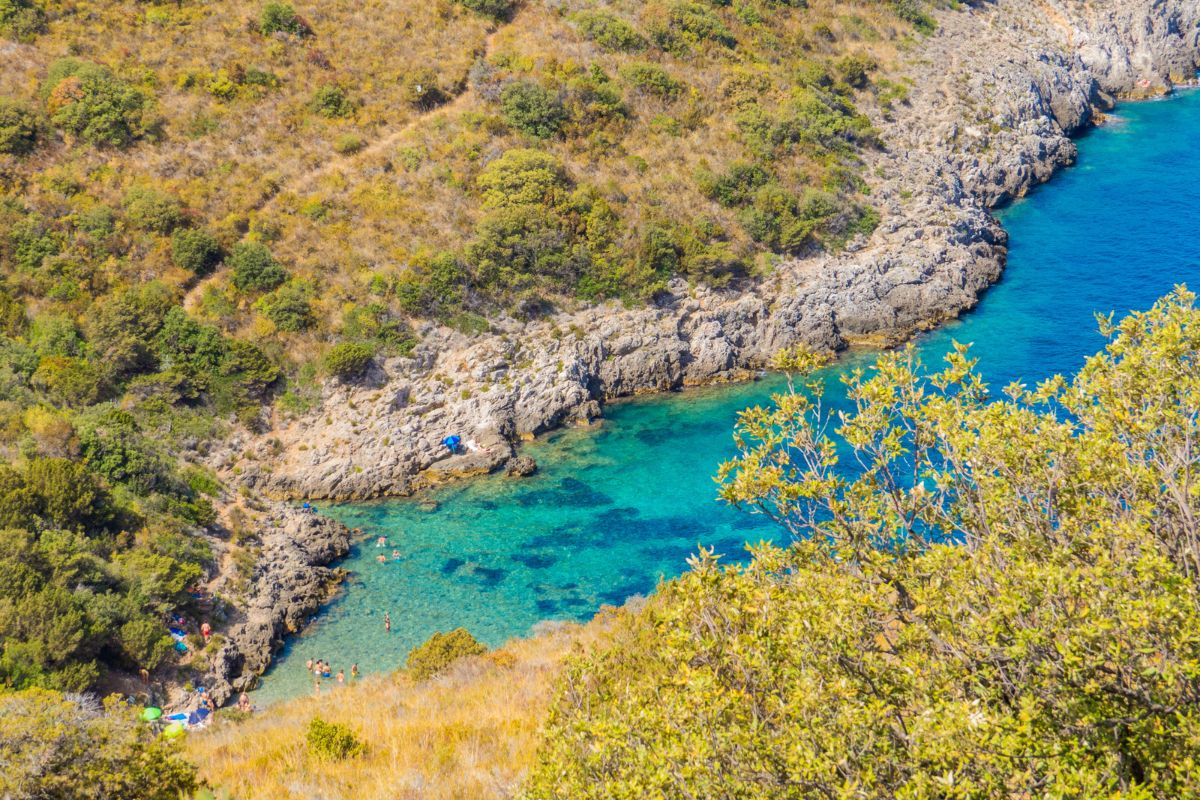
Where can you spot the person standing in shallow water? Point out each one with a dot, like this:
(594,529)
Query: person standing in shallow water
(354,671)
(387,622)
(341,676)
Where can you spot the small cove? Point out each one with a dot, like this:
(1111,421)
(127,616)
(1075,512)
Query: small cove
(615,509)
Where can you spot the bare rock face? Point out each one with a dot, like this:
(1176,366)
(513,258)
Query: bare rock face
(291,581)
(997,93)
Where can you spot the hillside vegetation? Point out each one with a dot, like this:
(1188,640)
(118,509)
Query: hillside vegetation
(1002,602)
(207,208)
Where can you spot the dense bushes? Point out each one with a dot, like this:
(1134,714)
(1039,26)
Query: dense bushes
(21,19)
(288,307)
(89,101)
(254,268)
(610,32)
(532,109)
(331,101)
(495,9)
(153,211)
(348,359)
(71,746)
(282,18)
(195,250)
(332,740)
(18,128)
(651,79)
(999,600)
(440,651)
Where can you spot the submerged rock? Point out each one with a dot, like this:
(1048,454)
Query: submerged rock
(520,466)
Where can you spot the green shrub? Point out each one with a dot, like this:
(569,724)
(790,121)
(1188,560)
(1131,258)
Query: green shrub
(912,11)
(347,359)
(422,90)
(153,211)
(651,79)
(523,176)
(433,286)
(495,9)
(21,19)
(89,101)
(70,381)
(532,109)
(690,24)
(331,102)
(855,70)
(282,18)
(332,740)
(195,250)
(288,307)
(18,127)
(254,268)
(103,752)
(610,32)
(440,651)
(348,144)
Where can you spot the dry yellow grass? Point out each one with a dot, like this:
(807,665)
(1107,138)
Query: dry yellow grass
(470,733)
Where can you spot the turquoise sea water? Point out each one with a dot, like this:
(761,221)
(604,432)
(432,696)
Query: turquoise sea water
(614,509)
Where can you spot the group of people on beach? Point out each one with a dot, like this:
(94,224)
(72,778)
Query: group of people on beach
(322,669)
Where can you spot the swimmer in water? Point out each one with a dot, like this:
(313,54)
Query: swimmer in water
(395,555)
(381,541)
(387,622)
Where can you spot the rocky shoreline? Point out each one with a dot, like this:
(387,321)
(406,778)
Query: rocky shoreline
(997,93)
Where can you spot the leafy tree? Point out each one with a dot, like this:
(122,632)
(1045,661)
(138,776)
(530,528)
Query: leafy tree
(532,109)
(90,102)
(254,268)
(61,746)
(348,359)
(69,496)
(651,79)
(18,126)
(523,177)
(1000,600)
(440,651)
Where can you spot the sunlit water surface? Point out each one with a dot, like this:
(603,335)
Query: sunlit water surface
(615,509)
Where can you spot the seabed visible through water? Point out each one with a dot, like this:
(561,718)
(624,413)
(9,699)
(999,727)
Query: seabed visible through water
(613,510)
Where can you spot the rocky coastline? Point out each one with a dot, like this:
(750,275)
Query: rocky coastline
(996,95)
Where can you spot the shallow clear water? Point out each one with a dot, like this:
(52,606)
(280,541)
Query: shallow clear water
(614,509)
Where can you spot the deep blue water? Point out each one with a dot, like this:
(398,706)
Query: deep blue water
(615,509)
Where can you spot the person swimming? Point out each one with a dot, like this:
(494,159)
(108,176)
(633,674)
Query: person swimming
(395,555)
(387,622)
(381,558)
(381,541)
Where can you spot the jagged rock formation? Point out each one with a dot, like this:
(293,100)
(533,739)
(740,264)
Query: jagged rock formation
(998,91)
(997,94)
(291,581)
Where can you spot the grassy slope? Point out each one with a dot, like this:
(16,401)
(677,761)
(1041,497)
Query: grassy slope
(471,733)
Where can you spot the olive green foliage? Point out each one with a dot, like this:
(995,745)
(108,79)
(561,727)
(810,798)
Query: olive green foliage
(495,9)
(21,19)
(196,250)
(998,599)
(651,79)
(282,18)
(288,307)
(440,651)
(331,101)
(254,268)
(332,741)
(348,359)
(18,128)
(153,211)
(56,746)
(87,100)
(610,32)
(532,109)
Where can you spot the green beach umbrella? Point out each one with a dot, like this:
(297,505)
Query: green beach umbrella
(173,731)
(150,713)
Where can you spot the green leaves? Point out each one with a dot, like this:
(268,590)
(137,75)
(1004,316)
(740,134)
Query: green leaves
(999,600)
